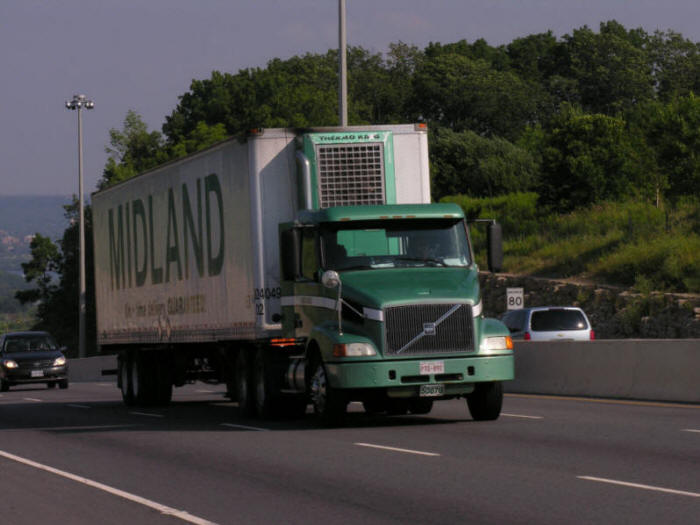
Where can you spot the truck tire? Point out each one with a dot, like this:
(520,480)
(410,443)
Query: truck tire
(486,401)
(267,396)
(245,391)
(125,384)
(329,404)
(420,406)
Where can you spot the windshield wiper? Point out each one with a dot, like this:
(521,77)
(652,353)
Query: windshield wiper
(440,262)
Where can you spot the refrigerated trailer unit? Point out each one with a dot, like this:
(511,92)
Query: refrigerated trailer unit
(297,266)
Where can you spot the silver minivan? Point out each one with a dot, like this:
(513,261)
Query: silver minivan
(549,323)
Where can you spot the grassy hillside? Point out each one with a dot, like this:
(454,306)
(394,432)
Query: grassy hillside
(627,243)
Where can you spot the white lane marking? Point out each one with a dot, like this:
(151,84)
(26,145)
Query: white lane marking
(204,391)
(245,427)
(163,509)
(76,405)
(394,449)
(522,416)
(691,430)
(147,414)
(640,486)
(68,428)
(33,399)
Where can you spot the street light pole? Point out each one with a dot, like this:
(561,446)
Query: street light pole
(342,66)
(79,102)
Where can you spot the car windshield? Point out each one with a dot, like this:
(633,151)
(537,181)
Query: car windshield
(552,320)
(28,343)
(393,244)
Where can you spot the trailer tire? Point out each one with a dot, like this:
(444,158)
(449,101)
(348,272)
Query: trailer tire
(486,401)
(329,404)
(163,382)
(267,400)
(125,384)
(244,384)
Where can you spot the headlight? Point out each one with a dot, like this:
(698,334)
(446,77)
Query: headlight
(353,350)
(498,343)
(60,361)
(9,363)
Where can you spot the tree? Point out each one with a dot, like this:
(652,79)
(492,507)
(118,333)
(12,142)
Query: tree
(586,158)
(454,91)
(611,68)
(57,309)
(466,163)
(132,150)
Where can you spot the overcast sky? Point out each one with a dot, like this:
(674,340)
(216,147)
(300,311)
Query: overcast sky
(143,54)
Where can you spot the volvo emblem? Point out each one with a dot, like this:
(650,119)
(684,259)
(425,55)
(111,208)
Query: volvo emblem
(429,328)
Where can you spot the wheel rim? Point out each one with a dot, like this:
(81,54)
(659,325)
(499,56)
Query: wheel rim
(319,390)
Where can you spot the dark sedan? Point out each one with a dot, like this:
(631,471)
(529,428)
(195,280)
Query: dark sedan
(31,357)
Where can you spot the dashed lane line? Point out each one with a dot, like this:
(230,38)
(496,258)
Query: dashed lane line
(641,486)
(76,405)
(163,509)
(33,399)
(244,427)
(395,449)
(146,414)
(691,430)
(522,416)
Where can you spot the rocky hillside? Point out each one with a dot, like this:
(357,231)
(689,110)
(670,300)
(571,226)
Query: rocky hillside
(614,312)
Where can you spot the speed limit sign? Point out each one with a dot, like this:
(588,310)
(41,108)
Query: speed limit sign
(515,298)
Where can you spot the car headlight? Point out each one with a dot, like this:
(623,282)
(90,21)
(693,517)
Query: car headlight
(353,350)
(9,363)
(60,361)
(503,342)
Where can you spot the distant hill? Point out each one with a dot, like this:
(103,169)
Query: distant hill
(22,216)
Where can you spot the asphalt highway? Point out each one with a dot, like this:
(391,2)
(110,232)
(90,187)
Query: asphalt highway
(80,456)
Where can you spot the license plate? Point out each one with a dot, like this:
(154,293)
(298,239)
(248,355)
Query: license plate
(37,373)
(431,390)
(432,367)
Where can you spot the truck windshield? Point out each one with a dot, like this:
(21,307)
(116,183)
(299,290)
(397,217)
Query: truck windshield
(395,244)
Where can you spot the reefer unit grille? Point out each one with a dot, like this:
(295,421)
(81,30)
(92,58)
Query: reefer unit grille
(350,174)
(419,329)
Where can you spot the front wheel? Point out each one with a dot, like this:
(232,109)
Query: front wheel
(4,385)
(486,401)
(329,404)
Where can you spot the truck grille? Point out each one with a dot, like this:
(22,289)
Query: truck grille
(418,329)
(351,174)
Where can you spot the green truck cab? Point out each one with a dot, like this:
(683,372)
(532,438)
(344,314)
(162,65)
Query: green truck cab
(386,301)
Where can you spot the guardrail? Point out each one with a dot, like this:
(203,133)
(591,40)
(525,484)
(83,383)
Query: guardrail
(648,369)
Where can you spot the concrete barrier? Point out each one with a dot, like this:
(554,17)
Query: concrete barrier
(90,368)
(648,369)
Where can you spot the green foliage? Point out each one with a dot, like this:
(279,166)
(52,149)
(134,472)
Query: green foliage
(466,163)
(57,300)
(132,151)
(586,158)
(452,90)
(626,243)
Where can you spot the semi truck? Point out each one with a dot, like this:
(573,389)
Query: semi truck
(297,267)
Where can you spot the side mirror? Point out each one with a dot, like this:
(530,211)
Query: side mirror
(494,236)
(290,254)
